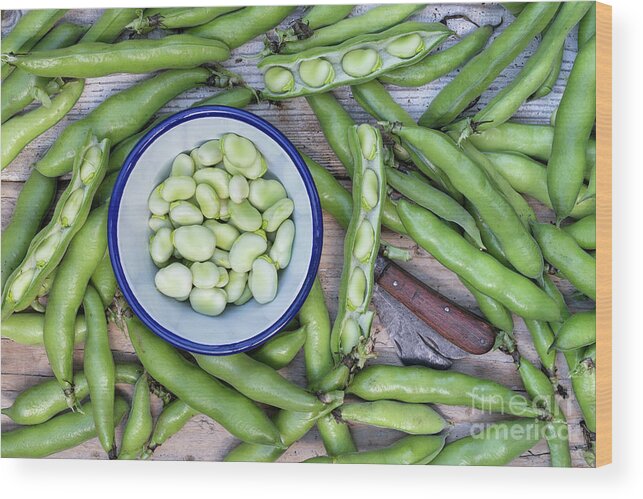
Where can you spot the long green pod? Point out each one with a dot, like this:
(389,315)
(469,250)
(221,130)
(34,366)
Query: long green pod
(28,31)
(27,328)
(100,370)
(172,419)
(372,21)
(335,123)
(542,337)
(423,385)
(489,239)
(484,272)
(574,123)
(493,310)
(95,59)
(536,70)
(109,25)
(548,85)
(291,425)
(280,351)
(47,248)
(336,436)
(379,103)
(352,62)
(21,130)
(413,449)
(139,425)
(514,7)
(32,205)
(351,329)
(496,445)
(563,252)
(41,402)
(584,385)
(85,252)
(239,415)
(56,435)
(578,331)
(176,18)
(21,88)
(258,382)
(114,118)
(414,419)
(587,26)
(583,232)
(317,16)
(104,281)
(476,76)
(441,63)
(528,176)
(473,182)
(236,28)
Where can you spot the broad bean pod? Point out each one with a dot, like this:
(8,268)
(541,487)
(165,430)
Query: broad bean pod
(239,415)
(587,27)
(583,232)
(60,433)
(85,252)
(441,63)
(109,26)
(355,61)
(139,425)
(30,209)
(484,272)
(27,328)
(114,118)
(352,326)
(578,331)
(47,248)
(282,349)
(104,281)
(429,386)
(492,309)
(584,384)
(95,59)
(476,76)
(172,419)
(176,18)
(317,16)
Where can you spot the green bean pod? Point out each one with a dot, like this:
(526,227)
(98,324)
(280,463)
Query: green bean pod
(27,328)
(514,7)
(584,385)
(258,382)
(574,123)
(58,434)
(352,326)
(476,76)
(41,402)
(336,436)
(548,85)
(583,232)
(493,310)
(587,27)
(139,425)
(372,21)
(239,415)
(21,88)
(85,252)
(20,130)
(441,63)
(114,118)
(472,180)
(577,331)
(528,176)
(496,445)
(414,419)
(354,61)
(30,209)
(317,16)
(542,337)
(563,252)
(407,450)
(489,239)
(110,25)
(535,71)
(104,280)
(236,28)
(100,370)
(95,59)
(291,425)
(47,248)
(428,386)
(172,419)
(28,31)
(176,18)
(280,351)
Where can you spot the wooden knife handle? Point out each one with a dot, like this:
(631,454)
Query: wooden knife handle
(458,325)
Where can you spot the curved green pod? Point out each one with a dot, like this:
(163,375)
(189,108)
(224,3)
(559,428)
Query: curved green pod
(60,433)
(282,349)
(95,59)
(109,26)
(355,61)
(27,328)
(317,16)
(583,232)
(496,445)
(139,425)
(176,18)
(48,247)
(336,436)
(578,331)
(493,310)
(172,419)
(584,384)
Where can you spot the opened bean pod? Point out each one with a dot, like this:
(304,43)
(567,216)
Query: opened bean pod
(355,61)
(48,247)
(352,326)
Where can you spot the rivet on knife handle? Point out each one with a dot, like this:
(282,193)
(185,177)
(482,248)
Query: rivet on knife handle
(458,325)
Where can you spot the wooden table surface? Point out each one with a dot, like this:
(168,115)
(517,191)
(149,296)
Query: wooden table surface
(204,439)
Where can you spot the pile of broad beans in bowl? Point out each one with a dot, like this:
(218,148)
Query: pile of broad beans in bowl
(174,236)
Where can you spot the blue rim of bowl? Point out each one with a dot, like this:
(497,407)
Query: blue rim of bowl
(112,224)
